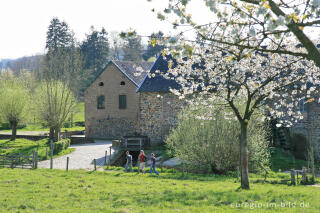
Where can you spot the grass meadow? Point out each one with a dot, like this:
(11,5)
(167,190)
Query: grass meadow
(45,190)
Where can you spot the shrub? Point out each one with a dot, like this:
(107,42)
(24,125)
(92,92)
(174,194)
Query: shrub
(6,126)
(80,123)
(214,143)
(61,145)
(67,125)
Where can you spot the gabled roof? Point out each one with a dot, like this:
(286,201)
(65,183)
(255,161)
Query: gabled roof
(132,70)
(129,68)
(158,83)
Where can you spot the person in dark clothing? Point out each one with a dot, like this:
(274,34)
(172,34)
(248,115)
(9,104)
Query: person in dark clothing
(153,164)
(129,161)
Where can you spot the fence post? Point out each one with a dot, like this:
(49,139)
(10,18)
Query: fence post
(36,160)
(95,164)
(21,160)
(110,156)
(293,179)
(33,160)
(105,158)
(67,164)
(51,154)
(304,179)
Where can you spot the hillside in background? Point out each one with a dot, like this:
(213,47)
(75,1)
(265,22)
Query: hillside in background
(31,63)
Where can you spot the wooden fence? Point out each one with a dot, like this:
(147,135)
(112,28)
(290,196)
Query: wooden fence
(19,161)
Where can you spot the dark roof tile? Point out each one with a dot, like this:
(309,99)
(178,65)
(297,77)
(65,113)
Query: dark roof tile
(130,68)
(158,83)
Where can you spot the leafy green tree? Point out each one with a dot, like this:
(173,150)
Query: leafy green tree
(155,45)
(14,104)
(132,47)
(95,50)
(58,36)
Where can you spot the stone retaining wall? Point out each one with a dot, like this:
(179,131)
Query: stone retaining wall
(111,127)
(79,139)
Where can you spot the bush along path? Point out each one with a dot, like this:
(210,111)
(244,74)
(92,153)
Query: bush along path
(82,158)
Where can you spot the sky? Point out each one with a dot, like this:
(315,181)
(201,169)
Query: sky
(24,23)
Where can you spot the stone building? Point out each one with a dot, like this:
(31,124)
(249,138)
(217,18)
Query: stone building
(111,101)
(126,100)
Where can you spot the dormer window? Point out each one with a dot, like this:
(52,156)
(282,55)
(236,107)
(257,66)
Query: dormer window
(101,84)
(122,83)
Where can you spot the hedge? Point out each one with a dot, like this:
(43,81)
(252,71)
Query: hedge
(6,126)
(61,145)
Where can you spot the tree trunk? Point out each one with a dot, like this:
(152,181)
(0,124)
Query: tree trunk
(244,157)
(14,129)
(51,134)
(56,134)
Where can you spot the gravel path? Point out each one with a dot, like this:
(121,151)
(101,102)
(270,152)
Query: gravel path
(82,157)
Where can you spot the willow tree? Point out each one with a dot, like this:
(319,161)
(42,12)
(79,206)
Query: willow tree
(55,103)
(14,103)
(268,81)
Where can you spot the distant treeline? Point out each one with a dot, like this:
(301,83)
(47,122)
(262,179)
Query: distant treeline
(94,52)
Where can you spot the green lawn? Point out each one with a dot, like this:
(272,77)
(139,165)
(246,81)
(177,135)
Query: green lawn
(25,147)
(79,112)
(45,190)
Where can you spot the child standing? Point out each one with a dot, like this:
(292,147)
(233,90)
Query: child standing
(142,161)
(129,162)
(153,164)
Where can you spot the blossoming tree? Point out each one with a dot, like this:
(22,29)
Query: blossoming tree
(272,82)
(250,24)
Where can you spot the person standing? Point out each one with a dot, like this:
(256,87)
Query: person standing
(142,161)
(153,164)
(129,162)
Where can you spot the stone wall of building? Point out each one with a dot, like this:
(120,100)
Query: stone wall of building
(111,121)
(309,127)
(158,114)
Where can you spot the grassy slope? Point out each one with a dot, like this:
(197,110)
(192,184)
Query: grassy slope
(26,147)
(46,190)
(78,117)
